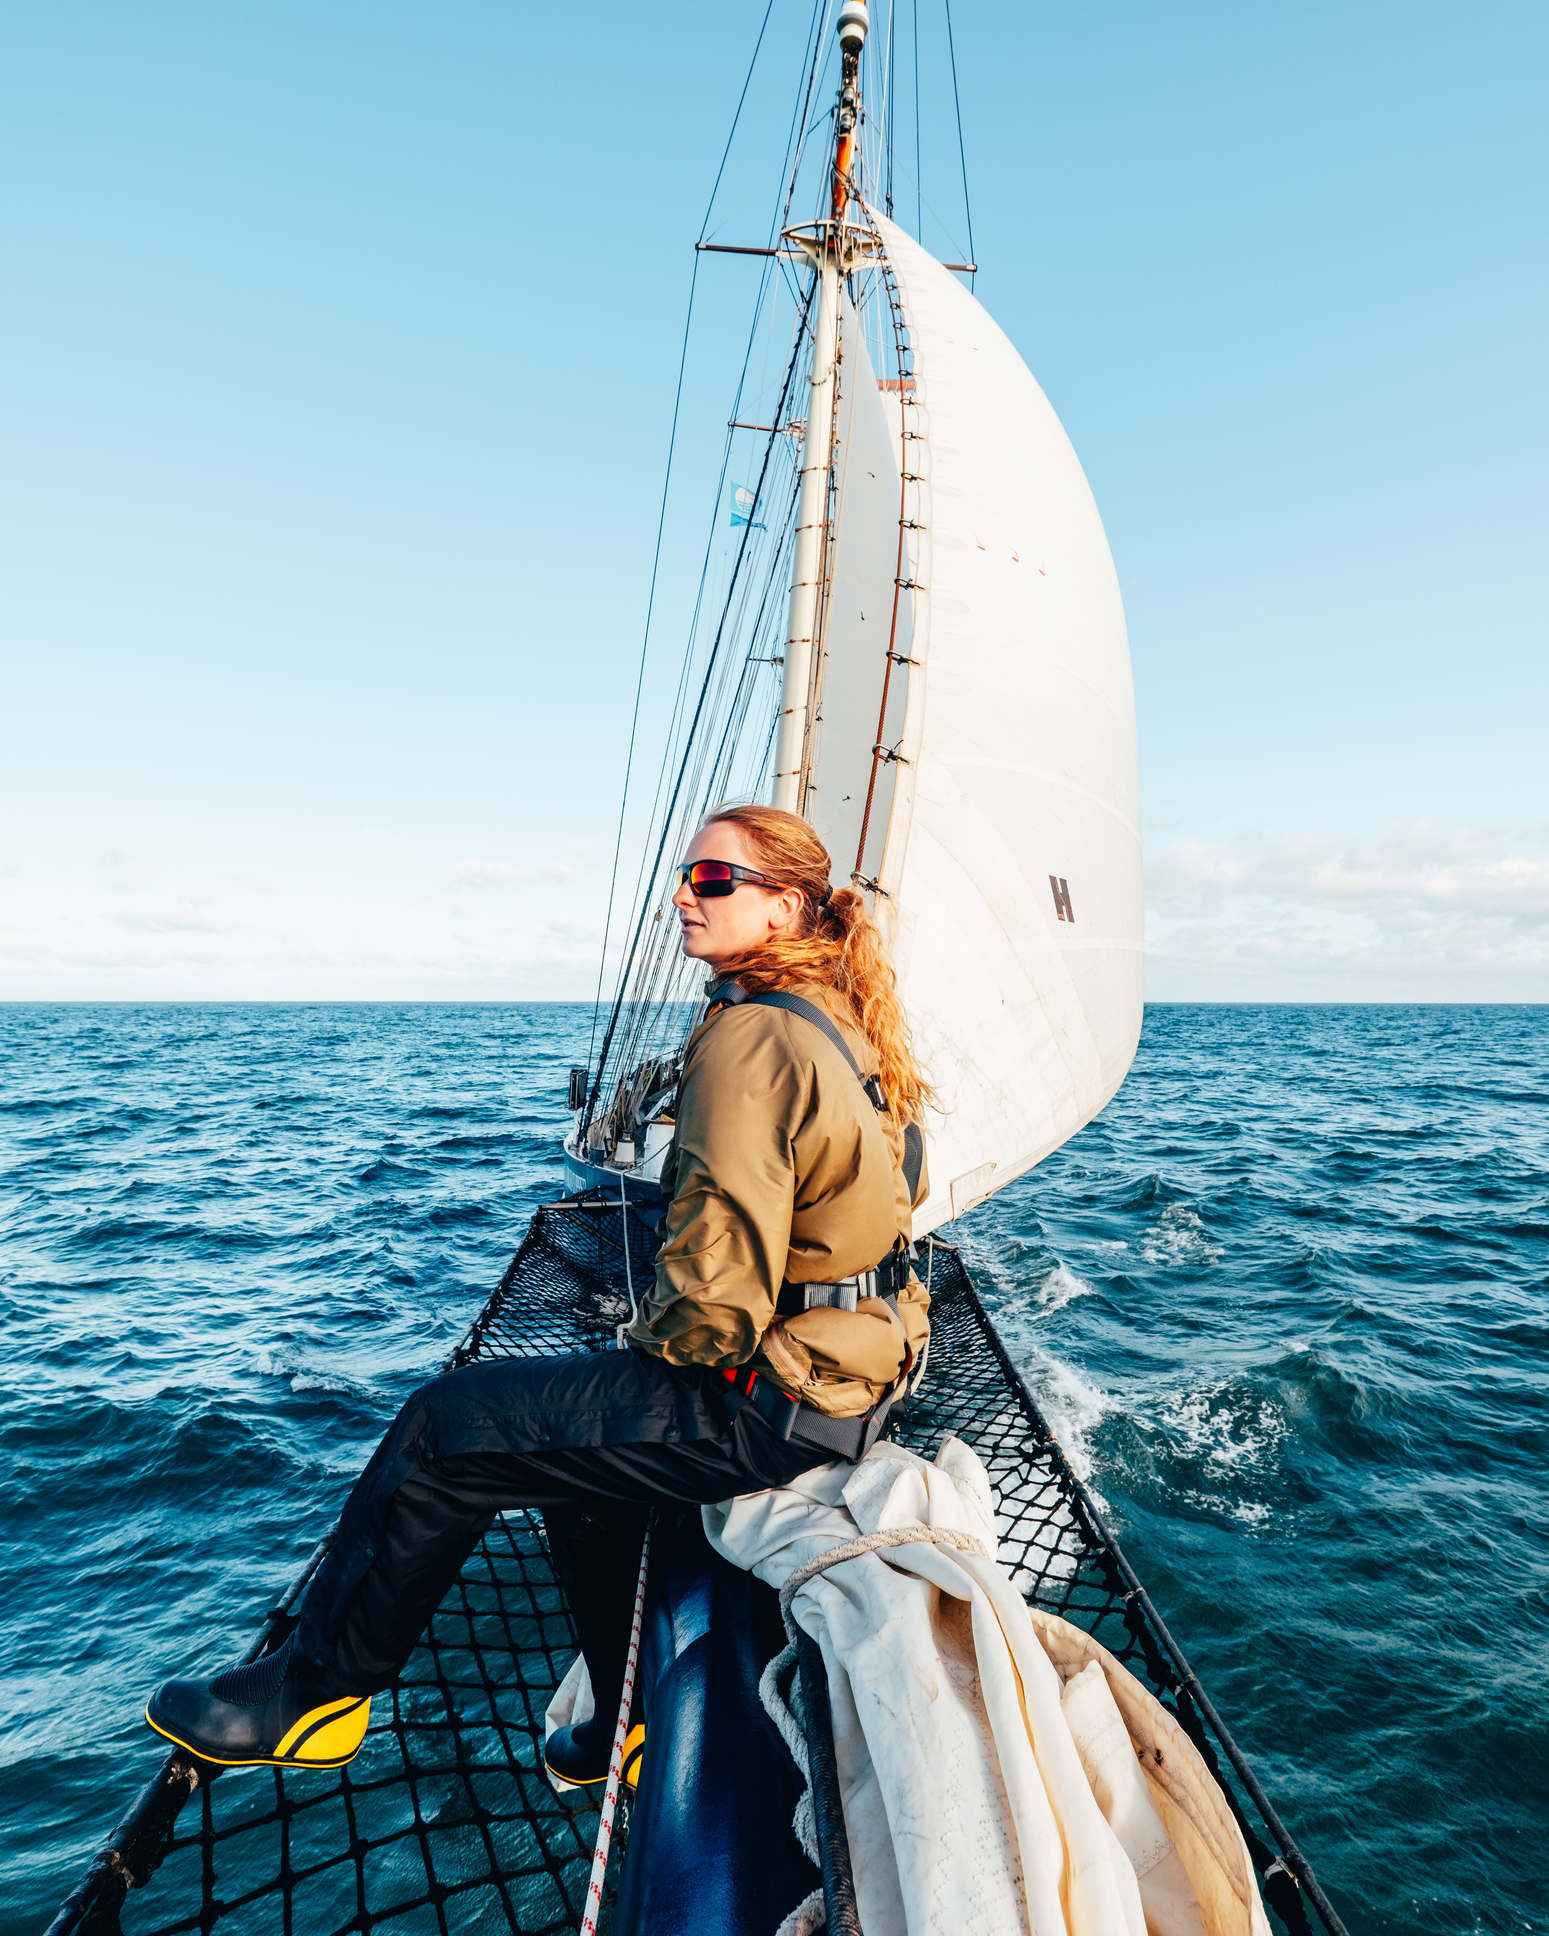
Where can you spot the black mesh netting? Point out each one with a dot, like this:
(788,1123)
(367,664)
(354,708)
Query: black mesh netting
(445,1822)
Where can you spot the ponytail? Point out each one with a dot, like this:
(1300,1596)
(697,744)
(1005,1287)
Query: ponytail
(832,940)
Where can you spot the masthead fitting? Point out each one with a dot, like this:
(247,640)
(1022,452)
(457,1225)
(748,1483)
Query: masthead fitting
(854,24)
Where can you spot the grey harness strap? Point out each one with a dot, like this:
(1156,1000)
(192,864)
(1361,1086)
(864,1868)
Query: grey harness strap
(733,993)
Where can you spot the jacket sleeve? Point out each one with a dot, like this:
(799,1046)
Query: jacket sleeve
(727,1234)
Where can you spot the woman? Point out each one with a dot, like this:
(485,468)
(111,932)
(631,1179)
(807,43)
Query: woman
(782,1319)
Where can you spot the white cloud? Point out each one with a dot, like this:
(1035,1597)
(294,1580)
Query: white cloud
(193,914)
(1420,912)
(164,921)
(495,874)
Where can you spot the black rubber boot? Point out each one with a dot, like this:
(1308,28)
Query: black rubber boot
(272,1712)
(578,1756)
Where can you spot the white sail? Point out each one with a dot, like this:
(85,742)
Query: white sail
(1010,878)
(855,699)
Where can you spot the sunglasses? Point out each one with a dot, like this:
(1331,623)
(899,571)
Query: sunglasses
(709,879)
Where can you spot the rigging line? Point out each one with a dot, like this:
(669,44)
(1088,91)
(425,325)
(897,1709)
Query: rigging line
(736,117)
(802,128)
(664,976)
(726,451)
(803,99)
(673,730)
(656,970)
(821,11)
(629,1273)
(661,520)
(796,138)
(767,608)
(918,219)
(741,677)
(887,107)
(787,268)
(639,1023)
(957,109)
(650,607)
(707,777)
(708,780)
(738,678)
(683,680)
(814,63)
(672,735)
(698,711)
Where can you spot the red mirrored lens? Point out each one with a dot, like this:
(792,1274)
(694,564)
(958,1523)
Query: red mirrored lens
(711,877)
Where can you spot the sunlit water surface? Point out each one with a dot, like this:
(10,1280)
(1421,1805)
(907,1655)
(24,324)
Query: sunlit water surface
(1286,1303)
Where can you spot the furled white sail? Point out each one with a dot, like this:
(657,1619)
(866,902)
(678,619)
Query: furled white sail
(1011,872)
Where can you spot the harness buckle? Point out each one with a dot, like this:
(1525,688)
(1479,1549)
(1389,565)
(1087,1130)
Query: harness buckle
(843,1296)
(761,1394)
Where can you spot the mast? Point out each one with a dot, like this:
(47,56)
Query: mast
(817,448)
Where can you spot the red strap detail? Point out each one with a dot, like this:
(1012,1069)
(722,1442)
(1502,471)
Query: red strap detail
(731,1373)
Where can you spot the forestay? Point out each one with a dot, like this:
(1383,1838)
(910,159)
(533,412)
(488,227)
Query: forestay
(1010,869)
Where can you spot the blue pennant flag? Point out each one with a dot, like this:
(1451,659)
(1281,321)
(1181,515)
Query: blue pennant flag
(742,503)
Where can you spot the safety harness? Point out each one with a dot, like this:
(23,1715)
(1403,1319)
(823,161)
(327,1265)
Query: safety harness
(847,1438)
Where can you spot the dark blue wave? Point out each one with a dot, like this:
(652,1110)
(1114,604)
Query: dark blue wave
(1286,1303)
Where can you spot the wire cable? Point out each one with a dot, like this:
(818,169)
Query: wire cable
(957,109)
(661,522)
(919,189)
(650,607)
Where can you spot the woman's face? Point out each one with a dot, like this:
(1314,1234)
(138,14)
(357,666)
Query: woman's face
(720,926)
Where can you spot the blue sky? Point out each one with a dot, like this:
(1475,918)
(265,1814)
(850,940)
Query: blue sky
(339,348)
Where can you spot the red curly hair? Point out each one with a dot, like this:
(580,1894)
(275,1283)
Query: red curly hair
(833,940)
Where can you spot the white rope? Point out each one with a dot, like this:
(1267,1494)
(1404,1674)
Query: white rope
(610,1796)
(810,1915)
(620,1337)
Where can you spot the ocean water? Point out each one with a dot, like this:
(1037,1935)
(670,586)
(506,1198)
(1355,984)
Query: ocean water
(1286,1303)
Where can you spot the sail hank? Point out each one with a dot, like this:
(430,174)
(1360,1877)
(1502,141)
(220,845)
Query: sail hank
(1009,881)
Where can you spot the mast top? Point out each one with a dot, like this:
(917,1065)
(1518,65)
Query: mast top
(854,24)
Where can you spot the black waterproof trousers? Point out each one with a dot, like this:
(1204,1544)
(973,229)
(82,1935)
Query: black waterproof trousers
(592,1439)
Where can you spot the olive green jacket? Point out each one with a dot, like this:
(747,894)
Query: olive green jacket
(781,1170)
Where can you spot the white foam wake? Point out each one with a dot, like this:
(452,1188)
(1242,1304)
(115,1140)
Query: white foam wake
(1179,1237)
(1061,1287)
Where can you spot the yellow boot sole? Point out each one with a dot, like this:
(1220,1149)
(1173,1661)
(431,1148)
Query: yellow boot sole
(325,1737)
